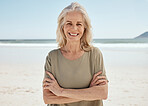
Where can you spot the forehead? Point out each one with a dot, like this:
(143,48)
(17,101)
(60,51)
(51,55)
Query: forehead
(74,16)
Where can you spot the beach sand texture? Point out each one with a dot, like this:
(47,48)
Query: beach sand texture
(22,71)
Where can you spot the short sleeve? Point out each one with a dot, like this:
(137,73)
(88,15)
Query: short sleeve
(99,63)
(47,66)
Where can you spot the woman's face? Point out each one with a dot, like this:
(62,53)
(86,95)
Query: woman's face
(74,26)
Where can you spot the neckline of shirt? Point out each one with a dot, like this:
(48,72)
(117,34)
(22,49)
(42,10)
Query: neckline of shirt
(69,59)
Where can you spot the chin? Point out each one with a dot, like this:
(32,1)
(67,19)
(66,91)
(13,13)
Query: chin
(73,39)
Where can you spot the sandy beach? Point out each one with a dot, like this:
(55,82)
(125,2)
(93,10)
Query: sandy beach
(22,69)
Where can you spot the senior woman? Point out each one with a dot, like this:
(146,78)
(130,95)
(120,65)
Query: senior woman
(74,73)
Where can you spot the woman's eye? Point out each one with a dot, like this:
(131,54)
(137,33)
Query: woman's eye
(79,24)
(69,24)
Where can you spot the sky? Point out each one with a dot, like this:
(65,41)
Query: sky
(37,19)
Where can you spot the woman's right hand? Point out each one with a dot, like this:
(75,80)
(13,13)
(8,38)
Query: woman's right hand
(98,80)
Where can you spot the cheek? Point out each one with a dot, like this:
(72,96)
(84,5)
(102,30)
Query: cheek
(82,30)
(65,29)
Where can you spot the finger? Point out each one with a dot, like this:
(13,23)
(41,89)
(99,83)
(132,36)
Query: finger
(46,87)
(51,76)
(45,84)
(97,74)
(99,78)
(100,81)
(47,80)
(96,83)
(103,83)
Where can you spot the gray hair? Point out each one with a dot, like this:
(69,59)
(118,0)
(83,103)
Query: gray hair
(87,36)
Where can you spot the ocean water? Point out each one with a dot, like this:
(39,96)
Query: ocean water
(132,43)
(104,41)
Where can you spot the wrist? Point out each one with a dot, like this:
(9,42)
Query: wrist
(62,92)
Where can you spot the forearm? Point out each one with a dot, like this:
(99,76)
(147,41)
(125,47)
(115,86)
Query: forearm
(92,93)
(50,98)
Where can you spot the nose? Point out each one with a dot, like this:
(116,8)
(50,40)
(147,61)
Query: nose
(74,27)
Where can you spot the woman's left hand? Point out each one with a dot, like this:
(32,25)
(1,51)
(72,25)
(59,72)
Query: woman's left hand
(52,85)
(98,80)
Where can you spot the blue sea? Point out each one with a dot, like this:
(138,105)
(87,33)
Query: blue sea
(142,43)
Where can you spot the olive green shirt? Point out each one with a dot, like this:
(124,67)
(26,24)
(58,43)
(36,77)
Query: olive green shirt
(75,74)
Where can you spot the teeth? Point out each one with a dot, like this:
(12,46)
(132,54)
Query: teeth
(73,34)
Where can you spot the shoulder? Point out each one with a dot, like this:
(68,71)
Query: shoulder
(95,50)
(53,53)
(96,53)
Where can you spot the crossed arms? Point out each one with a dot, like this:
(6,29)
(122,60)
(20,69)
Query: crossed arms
(54,94)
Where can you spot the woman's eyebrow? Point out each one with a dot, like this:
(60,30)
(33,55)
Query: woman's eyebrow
(68,21)
(79,22)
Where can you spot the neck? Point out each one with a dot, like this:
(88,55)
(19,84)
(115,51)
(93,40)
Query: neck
(72,47)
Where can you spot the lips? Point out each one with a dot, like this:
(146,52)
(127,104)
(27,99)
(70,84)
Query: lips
(73,34)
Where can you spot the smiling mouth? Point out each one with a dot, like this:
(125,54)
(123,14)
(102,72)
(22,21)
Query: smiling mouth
(71,34)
